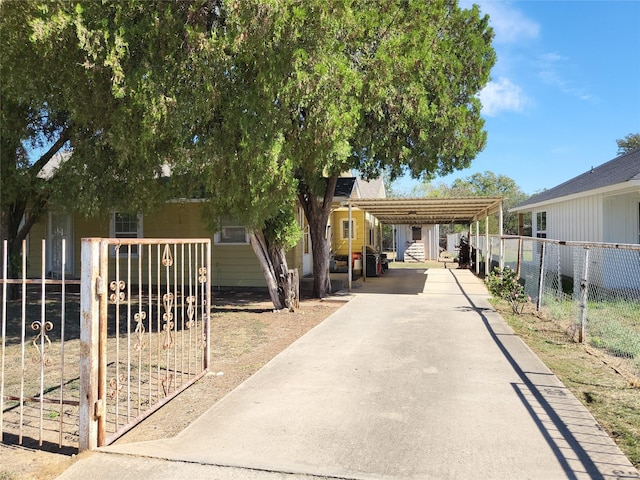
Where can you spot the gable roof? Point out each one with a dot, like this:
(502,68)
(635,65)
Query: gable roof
(371,188)
(354,187)
(625,168)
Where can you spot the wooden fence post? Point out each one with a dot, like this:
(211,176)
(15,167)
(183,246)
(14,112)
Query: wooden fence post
(92,286)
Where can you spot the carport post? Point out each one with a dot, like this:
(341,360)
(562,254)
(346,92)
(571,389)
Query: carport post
(364,246)
(501,230)
(349,260)
(487,258)
(477,247)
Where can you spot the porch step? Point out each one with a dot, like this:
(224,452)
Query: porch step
(414,253)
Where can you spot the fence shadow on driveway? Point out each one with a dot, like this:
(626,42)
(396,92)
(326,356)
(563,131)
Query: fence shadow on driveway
(578,442)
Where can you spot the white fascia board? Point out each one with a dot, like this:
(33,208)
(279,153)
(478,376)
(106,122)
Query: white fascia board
(616,189)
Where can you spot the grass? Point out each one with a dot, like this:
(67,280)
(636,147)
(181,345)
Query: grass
(610,393)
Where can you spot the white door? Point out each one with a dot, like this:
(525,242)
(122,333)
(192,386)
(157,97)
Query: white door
(59,229)
(307,258)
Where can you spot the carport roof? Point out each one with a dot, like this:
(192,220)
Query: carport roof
(425,211)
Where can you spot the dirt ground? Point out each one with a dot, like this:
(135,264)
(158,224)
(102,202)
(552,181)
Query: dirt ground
(246,333)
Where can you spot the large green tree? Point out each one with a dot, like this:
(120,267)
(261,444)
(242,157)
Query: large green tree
(333,86)
(261,101)
(131,89)
(97,79)
(486,184)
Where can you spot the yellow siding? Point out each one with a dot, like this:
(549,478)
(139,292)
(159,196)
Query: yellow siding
(34,249)
(363,229)
(232,265)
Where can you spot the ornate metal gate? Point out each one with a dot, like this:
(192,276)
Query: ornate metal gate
(144,317)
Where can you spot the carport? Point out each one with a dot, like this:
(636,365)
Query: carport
(431,211)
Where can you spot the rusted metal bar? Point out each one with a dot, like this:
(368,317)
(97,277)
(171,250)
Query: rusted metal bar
(38,281)
(42,399)
(5,262)
(23,336)
(63,303)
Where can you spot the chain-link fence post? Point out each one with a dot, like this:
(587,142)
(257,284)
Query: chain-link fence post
(541,277)
(584,296)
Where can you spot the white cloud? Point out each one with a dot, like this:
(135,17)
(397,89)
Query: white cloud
(509,24)
(552,68)
(503,95)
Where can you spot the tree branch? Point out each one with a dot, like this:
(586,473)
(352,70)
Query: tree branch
(64,137)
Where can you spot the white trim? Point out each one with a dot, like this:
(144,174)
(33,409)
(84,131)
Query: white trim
(354,226)
(217,241)
(617,189)
(135,251)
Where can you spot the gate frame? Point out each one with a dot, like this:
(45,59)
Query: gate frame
(93,334)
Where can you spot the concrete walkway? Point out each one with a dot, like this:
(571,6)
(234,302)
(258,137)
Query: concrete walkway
(415,378)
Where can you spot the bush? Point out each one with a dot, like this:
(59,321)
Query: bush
(505,284)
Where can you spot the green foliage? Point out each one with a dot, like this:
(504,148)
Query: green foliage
(256,101)
(505,284)
(628,143)
(330,87)
(486,184)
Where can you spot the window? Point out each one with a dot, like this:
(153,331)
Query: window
(416,234)
(345,229)
(124,225)
(232,235)
(541,224)
(306,240)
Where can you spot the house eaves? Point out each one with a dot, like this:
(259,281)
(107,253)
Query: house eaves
(621,188)
(620,173)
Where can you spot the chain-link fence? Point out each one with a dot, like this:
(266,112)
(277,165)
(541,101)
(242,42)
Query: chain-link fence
(588,292)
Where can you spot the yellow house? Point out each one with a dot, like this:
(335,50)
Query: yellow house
(365,229)
(233,262)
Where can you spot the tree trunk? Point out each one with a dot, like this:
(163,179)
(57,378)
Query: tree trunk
(317,212)
(273,263)
(11,232)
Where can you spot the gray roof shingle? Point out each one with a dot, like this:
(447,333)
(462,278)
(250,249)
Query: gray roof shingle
(622,169)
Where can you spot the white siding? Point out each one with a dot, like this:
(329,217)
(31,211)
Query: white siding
(574,220)
(621,222)
(430,238)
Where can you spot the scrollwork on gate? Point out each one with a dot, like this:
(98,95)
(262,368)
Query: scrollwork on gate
(117,287)
(116,386)
(167,257)
(139,331)
(167,317)
(42,340)
(191,310)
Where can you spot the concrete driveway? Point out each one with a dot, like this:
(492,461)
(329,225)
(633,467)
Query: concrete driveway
(415,378)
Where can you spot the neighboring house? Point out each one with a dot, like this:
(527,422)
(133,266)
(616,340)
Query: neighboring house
(365,229)
(601,205)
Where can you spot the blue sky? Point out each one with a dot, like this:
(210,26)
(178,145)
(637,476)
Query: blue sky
(565,86)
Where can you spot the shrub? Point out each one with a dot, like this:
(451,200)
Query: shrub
(505,284)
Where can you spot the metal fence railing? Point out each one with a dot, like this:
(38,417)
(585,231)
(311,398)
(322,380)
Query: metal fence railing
(590,291)
(79,368)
